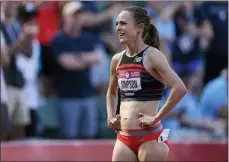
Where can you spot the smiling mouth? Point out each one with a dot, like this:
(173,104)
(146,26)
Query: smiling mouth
(120,35)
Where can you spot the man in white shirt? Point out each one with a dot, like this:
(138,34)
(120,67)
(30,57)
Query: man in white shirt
(18,37)
(29,67)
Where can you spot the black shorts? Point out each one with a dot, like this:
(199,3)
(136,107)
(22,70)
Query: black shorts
(47,61)
(4,118)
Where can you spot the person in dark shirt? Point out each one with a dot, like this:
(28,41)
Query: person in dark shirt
(188,49)
(74,54)
(216,13)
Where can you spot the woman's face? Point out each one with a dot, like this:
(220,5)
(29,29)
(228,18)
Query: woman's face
(126,27)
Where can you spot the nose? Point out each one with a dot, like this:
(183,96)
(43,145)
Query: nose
(118,27)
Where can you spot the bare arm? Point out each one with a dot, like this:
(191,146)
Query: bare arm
(162,71)
(92,19)
(112,101)
(25,41)
(22,42)
(204,30)
(70,61)
(4,60)
(90,58)
(169,11)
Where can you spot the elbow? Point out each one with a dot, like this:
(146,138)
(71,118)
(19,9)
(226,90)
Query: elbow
(28,54)
(181,89)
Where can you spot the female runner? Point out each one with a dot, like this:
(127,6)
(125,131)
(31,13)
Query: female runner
(140,72)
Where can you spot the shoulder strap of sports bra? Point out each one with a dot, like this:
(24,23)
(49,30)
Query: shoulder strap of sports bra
(146,48)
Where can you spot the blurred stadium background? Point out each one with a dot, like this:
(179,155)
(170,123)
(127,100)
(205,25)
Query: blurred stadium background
(44,90)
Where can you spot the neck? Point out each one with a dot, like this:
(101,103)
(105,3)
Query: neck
(135,47)
(72,33)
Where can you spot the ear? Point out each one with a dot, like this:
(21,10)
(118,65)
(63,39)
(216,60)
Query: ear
(140,27)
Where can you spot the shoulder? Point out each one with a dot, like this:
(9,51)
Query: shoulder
(59,37)
(154,55)
(118,56)
(155,59)
(215,84)
(116,59)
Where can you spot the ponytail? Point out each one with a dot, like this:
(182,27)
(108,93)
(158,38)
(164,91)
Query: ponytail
(152,37)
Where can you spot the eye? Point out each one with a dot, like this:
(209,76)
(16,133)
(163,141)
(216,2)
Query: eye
(123,23)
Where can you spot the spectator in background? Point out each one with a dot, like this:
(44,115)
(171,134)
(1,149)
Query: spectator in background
(30,67)
(214,98)
(75,56)
(187,121)
(19,42)
(109,37)
(162,13)
(188,107)
(4,116)
(217,13)
(49,22)
(213,107)
(100,72)
(190,30)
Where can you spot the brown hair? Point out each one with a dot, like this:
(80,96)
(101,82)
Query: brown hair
(150,34)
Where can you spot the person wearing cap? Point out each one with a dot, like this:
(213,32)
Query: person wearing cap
(75,55)
(18,37)
(30,67)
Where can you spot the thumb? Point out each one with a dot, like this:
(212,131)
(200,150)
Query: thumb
(140,115)
(118,117)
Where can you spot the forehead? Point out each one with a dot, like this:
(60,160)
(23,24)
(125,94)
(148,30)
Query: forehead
(125,16)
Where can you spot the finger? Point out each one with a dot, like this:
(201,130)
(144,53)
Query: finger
(115,125)
(118,126)
(118,117)
(143,123)
(140,115)
(109,124)
(140,119)
(145,126)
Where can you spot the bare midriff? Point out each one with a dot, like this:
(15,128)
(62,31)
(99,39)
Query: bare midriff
(129,111)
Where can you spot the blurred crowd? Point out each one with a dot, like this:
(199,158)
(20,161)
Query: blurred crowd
(55,58)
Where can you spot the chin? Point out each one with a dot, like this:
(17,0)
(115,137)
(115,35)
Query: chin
(123,41)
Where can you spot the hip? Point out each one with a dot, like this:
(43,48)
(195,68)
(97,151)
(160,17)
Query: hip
(135,138)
